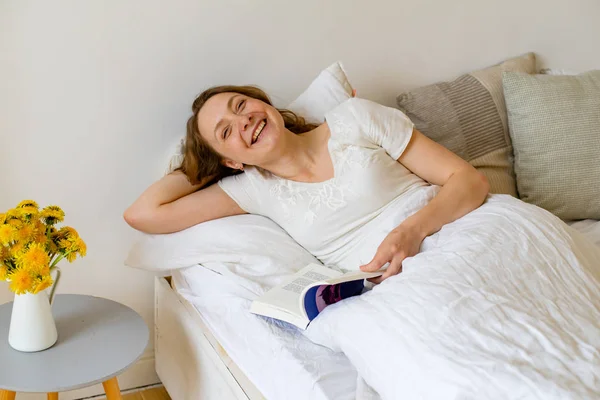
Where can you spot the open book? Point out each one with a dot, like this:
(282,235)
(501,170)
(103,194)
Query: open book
(301,298)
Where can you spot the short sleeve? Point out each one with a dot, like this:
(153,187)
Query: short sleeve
(242,190)
(386,127)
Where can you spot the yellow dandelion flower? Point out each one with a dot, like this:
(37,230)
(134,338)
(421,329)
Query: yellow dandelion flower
(55,208)
(28,212)
(3,272)
(43,271)
(55,239)
(7,234)
(26,232)
(82,247)
(4,252)
(42,284)
(34,258)
(52,215)
(51,247)
(40,232)
(15,223)
(71,247)
(13,213)
(2,218)
(39,239)
(28,203)
(21,281)
(17,249)
(71,256)
(64,245)
(68,233)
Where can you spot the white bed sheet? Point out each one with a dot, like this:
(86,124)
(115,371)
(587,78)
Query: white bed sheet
(280,361)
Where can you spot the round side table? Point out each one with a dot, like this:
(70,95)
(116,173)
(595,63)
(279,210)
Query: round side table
(98,339)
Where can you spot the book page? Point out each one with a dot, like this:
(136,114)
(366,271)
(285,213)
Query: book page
(287,295)
(298,285)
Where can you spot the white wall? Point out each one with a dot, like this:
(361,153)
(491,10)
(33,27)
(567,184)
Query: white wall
(92,92)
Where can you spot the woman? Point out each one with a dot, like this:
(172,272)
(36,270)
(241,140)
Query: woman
(323,184)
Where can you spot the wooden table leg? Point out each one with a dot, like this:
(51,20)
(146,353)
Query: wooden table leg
(111,388)
(7,395)
(53,396)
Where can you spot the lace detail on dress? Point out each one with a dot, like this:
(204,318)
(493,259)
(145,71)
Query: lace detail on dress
(343,127)
(293,198)
(351,156)
(311,199)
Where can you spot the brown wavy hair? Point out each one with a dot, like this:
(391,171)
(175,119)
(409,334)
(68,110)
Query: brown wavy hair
(201,163)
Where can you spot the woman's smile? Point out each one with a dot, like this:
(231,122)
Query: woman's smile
(259,131)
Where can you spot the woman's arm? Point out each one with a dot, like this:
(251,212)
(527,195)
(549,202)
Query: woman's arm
(463,187)
(173,204)
(463,190)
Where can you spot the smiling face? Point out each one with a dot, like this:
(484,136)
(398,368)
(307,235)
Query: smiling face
(242,129)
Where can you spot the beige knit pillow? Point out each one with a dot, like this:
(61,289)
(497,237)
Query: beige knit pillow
(555,130)
(468,116)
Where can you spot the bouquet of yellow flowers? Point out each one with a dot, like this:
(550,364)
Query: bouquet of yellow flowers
(31,245)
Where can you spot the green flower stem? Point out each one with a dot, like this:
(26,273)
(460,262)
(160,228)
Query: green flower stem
(57,259)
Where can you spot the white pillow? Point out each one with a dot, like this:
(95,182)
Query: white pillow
(251,249)
(325,92)
(243,245)
(328,90)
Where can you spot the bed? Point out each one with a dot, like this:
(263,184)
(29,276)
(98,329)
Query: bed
(200,356)
(208,345)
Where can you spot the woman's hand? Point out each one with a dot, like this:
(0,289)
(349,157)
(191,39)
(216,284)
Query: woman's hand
(399,244)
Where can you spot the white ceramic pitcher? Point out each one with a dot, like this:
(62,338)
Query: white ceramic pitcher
(32,326)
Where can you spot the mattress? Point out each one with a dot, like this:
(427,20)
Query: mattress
(277,358)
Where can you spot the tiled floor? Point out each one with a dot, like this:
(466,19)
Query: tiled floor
(150,394)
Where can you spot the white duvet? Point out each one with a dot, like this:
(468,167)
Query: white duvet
(501,304)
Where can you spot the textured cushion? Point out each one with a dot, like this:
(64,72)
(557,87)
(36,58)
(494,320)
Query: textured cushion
(555,130)
(468,116)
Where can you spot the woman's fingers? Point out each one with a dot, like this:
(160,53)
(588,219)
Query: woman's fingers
(394,268)
(376,263)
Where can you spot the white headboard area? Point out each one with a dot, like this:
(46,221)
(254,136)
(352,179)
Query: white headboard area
(94,93)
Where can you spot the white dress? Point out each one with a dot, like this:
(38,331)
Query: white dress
(343,220)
